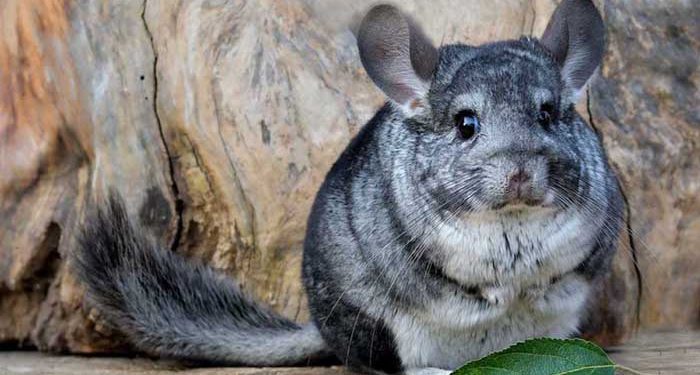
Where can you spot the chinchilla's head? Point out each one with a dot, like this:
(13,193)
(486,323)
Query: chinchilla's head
(491,127)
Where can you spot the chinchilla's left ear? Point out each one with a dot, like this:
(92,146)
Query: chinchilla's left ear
(397,56)
(575,36)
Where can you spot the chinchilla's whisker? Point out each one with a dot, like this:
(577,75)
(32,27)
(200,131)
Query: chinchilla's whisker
(587,202)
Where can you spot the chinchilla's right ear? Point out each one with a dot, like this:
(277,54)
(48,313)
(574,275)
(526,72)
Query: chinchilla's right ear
(575,35)
(397,56)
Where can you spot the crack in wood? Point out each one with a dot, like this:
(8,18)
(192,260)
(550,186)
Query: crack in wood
(628,219)
(171,168)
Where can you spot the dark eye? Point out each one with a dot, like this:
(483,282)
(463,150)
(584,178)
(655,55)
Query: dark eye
(544,117)
(467,123)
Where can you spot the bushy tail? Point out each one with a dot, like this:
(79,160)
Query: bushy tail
(174,308)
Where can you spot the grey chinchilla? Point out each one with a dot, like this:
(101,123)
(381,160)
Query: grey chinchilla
(474,210)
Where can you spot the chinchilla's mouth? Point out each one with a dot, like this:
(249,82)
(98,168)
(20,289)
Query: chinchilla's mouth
(522,203)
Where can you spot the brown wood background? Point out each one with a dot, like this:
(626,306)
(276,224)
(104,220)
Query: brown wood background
(217,121)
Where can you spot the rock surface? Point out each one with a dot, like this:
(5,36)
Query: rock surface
(218,120)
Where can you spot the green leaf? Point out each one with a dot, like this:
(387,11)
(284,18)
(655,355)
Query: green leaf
(544,357)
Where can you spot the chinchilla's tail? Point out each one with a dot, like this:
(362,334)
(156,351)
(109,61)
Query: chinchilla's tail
(171,307)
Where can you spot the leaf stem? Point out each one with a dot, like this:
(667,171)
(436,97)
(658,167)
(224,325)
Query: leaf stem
(628,370)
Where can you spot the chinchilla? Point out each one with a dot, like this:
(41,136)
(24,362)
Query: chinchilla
(474,210)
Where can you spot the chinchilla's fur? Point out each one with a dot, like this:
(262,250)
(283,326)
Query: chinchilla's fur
(169,306)
(473,211)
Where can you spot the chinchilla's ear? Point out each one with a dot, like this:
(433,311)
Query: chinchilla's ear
(397,56)
(575,36)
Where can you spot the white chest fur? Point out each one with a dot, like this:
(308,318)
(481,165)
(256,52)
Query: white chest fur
(516,249)
(513,261)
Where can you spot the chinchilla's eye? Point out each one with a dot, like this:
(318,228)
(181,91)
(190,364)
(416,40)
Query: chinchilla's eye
(544,117)
(467,123)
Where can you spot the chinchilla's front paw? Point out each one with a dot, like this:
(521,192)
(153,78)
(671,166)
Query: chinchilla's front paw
(497,295)
(427,371)
(561,295)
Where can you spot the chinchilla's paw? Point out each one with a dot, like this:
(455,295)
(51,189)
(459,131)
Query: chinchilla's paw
(498,296)
(427,371)
(561,295)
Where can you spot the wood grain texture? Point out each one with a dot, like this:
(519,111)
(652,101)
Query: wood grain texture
(660,352)
(665,352)
(217,120)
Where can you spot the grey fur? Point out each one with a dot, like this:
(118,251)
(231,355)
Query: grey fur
(172,307)
(419,254)
(414,230)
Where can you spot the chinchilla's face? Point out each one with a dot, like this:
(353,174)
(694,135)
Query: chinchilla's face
(497,134)
(490,127)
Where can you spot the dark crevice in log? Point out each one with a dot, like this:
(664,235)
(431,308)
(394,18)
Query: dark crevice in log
(590,114)
(171,168)
(16,345)
(628,220)
(635,259)
(43,267)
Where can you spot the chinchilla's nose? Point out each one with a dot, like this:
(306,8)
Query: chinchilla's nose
(519,182)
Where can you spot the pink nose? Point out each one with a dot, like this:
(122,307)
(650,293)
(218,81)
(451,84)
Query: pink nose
(518,183)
